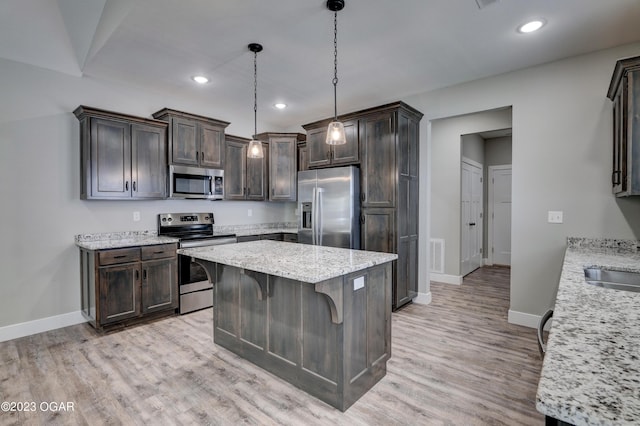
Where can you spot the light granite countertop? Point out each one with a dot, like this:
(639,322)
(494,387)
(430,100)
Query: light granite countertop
(591,370)
(301,262)
(111,240)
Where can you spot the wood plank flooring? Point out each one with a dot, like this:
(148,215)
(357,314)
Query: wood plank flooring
(454,362)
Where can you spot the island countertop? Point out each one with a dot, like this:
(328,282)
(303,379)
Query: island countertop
(301,262)
(591,370)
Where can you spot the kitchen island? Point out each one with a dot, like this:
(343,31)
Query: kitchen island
(591,369)
(317,317)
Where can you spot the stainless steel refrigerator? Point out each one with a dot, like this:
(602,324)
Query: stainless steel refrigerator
(329,207)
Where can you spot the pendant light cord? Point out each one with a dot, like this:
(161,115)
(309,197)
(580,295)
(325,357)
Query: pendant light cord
(255,93)
(335,65)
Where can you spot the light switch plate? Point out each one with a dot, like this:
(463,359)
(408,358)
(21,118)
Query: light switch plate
(555,217)
(249,212)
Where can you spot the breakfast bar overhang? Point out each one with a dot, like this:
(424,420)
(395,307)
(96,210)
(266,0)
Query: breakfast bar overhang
(317,317)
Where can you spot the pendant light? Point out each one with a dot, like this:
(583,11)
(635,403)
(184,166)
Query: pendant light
(255,146)
(335,132)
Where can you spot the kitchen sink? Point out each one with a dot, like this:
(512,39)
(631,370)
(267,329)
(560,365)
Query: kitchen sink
(617,280)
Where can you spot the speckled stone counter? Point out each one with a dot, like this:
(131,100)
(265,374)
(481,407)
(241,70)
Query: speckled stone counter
(110,240)
(591,370)
(300,262)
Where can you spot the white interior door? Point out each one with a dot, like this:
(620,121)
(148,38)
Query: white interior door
(471,217)
(499,238)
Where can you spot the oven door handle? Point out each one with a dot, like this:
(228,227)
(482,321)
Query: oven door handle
(210,242)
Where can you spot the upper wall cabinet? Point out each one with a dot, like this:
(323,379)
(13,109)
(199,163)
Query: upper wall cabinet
(624,91)
(283,164)
(194,140)
(244,178)
(121,156)
(319,154)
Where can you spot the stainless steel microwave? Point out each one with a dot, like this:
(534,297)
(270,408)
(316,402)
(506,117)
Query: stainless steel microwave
(196,183)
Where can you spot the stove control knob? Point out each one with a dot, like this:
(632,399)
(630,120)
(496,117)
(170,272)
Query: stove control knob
(164,219)
(170,219)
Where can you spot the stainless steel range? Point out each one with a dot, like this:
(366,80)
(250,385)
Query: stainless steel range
(193,230)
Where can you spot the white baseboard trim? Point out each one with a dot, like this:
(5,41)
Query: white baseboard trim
(423,298)
(527,320)
(15,331)
(445,278)
(485,262)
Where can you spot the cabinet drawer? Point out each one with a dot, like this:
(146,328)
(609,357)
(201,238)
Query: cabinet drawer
(158,252)
(125,255)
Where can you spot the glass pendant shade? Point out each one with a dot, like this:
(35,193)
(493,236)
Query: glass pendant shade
(335,134)
(255,149)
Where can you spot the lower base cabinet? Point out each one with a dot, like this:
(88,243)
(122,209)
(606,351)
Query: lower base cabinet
(127,285)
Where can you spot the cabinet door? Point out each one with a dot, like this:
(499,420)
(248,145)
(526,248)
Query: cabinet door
(110,159)
(303,157)
(618,177)
(282,168)
(235,170)
(159,285)
(184,144)
(211,145)
(348,153)
(379,178)
(256,176)
(148,162)
(377,230)
(319,153)
(119,292)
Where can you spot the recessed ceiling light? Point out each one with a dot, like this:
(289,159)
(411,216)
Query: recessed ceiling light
(280,105)
(532,26)
(200,79)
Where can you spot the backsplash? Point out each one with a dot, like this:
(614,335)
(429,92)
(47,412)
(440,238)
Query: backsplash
(603,243)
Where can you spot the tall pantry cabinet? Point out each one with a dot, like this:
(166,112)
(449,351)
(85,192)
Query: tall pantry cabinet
(388,142)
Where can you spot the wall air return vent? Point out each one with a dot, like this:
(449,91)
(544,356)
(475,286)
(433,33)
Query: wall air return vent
(437,255)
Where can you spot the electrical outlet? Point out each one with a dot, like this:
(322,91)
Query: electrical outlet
(136,216)
(249,212)
(554,217)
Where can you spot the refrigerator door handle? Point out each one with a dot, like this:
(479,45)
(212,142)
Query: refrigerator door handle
(314,216)
(320,214)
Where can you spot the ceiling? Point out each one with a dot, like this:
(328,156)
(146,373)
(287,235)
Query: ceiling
(386,49)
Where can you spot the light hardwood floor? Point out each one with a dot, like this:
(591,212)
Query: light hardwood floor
(454,362)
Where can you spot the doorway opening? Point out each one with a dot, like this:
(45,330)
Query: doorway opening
(485,200)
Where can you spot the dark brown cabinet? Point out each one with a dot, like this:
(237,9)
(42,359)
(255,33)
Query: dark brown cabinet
(125,285)
(387,140)
(624,91)
(322,155)
(283,164)
(303,156)
(244,178)
(194,140)
(121,157)
(277,236)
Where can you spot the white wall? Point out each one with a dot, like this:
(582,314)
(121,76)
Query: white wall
(473,147)
(39,186)
(561,161)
